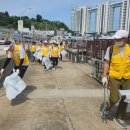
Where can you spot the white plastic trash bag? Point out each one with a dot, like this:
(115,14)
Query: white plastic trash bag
(38,55)
(13,85)
(125,93)
(64,53)
(47,62)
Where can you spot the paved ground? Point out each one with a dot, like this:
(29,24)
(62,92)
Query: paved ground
(64,99)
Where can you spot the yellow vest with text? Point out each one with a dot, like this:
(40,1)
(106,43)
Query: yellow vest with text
(45,51)
(33,48)
(55,52)
(120,65)
(16,56)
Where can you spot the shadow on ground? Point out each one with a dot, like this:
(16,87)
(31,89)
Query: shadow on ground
(22,97)
(58,67)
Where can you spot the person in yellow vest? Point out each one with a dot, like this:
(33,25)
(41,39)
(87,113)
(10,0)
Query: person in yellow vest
(32,51)
(61,48)
(38,49)
(55,54)
(45,52)
(117,63)
(18,54)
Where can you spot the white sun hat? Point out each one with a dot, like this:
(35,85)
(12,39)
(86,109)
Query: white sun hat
(121,34)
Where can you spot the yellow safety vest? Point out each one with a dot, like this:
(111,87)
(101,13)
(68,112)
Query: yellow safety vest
(16,56)
(33,48)
(54,52)
(120,65)
(61,48)
(45,51)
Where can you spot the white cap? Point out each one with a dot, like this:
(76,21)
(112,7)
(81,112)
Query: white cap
(50,41)
(45,41)
(54,41)
(120,34)
(7,45)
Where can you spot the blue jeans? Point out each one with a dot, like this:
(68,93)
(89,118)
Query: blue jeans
(32,58)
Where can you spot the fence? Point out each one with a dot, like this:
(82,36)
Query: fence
(91,51)
(86,50)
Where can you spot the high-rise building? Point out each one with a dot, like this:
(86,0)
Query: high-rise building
(78,20)
(105,17)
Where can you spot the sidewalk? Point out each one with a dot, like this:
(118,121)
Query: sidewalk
(64,99)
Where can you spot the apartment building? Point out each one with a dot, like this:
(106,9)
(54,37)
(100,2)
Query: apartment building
(103,18)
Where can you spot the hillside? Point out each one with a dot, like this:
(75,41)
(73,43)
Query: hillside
(38,22)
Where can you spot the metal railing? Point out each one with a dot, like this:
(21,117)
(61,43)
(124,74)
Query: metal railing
(91,51)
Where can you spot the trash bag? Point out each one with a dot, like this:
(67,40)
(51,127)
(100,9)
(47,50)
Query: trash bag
(13,85)
(46,61)
(38,55)
(125,93)
(64,53)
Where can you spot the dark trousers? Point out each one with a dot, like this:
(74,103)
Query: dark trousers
(60,56)
(55,61)
(32,58)
(22,70)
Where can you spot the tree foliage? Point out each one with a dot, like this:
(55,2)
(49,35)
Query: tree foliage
(39,23)
(39,18)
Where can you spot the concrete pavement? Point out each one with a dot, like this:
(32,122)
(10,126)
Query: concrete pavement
(64,99)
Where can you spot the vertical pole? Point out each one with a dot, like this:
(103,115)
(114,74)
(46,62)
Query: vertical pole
(86,52)
(78,54)
(46,26)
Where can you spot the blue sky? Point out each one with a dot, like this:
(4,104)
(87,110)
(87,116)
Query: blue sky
(48,9)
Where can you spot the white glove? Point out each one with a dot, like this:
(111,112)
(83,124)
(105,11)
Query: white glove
(17,71)
(104,81)
(1,72)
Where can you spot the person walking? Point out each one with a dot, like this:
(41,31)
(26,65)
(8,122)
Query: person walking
(45,52)
(32,51)
(38,49)
(18,54)
(55,54)
(117,63)
(61,48)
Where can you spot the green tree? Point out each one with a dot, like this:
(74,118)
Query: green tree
(39,18)
(6,14)
(27,23)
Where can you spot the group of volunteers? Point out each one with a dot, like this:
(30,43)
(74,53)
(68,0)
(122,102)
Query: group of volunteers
(49,49)
(17,52)
(116,75)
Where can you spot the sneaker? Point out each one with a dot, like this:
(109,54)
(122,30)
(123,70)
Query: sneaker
(120,122)
(54,68)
